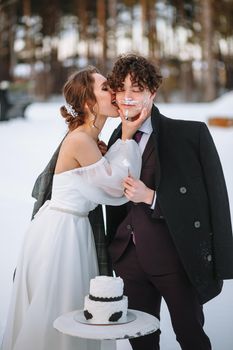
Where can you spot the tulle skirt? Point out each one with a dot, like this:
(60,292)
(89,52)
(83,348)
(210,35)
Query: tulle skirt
(57,261)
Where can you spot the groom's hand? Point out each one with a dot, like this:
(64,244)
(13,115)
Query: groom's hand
(136,191)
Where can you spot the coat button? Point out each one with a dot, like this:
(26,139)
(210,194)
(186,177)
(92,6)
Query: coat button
(129,227)
(197,224)
(209,257)
(183,190)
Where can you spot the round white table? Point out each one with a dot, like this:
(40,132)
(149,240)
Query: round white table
(108,334)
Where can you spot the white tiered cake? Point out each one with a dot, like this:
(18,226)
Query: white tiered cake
(106,303)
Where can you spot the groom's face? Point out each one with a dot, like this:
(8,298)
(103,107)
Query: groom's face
(132,98)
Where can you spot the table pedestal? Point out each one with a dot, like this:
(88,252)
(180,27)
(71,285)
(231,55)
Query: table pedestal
(108,345)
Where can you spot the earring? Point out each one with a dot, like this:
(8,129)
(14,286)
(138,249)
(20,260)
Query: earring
(92,122)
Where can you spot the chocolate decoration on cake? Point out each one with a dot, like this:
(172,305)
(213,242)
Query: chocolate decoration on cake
(87,315)
(92,297)
(115,317)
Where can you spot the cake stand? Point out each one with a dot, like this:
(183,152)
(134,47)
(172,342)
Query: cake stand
(108,334)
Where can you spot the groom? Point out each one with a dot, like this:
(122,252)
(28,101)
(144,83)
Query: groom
(173,240)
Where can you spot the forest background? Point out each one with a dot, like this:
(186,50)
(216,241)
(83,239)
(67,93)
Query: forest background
(42,42)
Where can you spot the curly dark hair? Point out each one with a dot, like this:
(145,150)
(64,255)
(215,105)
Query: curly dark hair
(143,73)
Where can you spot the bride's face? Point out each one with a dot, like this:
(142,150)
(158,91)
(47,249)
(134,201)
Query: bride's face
(104,97)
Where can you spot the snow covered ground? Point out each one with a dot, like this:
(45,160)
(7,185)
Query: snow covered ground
(26,146)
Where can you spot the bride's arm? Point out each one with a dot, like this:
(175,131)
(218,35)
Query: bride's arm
(108,173)
(102,181)
(86,150)
(105,175)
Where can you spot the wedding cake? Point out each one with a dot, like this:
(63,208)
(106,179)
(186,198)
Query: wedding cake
(106,302)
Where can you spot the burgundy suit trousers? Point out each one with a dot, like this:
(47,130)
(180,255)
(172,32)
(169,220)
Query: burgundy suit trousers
(145,291)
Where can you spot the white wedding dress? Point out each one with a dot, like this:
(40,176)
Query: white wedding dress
(58,257)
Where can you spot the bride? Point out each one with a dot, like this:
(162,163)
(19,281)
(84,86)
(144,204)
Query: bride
(58,257)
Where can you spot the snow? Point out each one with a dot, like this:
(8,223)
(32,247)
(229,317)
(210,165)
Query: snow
(26,146)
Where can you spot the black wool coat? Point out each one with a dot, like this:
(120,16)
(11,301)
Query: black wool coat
(192,195)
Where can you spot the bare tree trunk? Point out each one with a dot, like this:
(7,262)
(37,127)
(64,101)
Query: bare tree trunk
(144,20)
(149,30)
(29,43)
(112,28)
(187,81)
(101,17)
(51,14)
(83,27)
(27,15)
(152,31)
(209,73)
(130,27)
(7,38)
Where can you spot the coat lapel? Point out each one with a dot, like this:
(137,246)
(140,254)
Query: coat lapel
(155,121)
(115,135)
(148,149)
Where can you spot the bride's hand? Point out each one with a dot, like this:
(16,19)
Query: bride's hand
(129,127)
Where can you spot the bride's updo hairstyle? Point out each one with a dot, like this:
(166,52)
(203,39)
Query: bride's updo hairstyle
(78,90)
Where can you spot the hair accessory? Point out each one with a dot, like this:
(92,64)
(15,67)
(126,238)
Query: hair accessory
(70,110)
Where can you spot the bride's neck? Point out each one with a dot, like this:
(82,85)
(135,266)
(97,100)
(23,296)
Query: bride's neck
(93,128)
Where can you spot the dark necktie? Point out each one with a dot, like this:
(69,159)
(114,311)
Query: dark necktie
(138,135)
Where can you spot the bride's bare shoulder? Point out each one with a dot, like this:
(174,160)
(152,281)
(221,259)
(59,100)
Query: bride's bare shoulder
(82,147)
(79,139)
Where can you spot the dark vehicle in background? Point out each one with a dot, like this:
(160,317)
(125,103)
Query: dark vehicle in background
(12,102)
